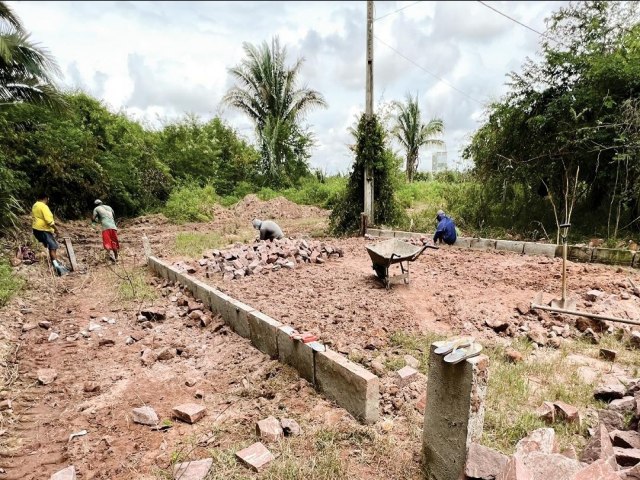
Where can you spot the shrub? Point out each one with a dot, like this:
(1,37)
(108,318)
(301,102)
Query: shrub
(191,203)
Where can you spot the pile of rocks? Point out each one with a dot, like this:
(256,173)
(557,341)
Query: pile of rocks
(266,256)
(537,456)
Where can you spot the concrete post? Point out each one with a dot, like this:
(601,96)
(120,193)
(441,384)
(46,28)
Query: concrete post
(454,414)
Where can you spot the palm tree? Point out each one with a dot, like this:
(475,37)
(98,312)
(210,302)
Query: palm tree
(26,69)
(413,134)
(267,91)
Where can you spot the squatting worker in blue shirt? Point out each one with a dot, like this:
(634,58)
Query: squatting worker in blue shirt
(446,230)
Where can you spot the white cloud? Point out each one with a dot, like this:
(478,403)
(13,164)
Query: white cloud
(157,60)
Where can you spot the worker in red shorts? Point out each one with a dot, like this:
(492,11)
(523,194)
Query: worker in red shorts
(104,214)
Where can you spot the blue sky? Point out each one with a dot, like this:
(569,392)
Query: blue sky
(158,60)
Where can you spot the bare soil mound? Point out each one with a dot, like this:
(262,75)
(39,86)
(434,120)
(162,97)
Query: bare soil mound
(251,207)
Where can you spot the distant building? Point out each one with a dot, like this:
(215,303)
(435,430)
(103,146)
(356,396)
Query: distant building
(439,162)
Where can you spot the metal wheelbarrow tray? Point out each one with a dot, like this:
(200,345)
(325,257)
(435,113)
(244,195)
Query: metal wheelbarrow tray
(385,254)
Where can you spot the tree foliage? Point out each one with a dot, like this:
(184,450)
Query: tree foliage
(564,139)
(413,134)
(371,150)
(267,92)
(26,69)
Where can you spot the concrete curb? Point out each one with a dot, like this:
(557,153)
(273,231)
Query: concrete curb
(351,386)
(607,256)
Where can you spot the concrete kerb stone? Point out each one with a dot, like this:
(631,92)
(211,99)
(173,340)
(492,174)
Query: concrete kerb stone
(387,234)
(576,254)
(510,246)
(295,353)
(611,256)
(236,315)
(374,232)
(264,333)
(483,244)
(546,250)
(406,235)
(159,267)
(350,385)
(463,242)
(203,293)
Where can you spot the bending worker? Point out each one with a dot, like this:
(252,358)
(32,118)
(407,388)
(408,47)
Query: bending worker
(268,230)
(446,229)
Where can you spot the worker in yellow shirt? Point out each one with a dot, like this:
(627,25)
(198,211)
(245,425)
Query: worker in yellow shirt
(43,229)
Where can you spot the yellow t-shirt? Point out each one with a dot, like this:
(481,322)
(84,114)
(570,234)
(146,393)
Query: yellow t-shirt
(42,217)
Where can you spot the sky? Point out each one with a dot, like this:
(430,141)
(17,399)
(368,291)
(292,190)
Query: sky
(159,60)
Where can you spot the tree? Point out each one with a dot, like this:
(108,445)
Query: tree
(26,69)
(413,134)
(372,151)
(267,91)
(565,131)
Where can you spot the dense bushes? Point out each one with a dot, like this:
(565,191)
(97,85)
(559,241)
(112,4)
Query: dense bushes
(191,203)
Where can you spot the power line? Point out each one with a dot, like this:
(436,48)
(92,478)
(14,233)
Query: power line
(542,34)
(428,72)
(396,11)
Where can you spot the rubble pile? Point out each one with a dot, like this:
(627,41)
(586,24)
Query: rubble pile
(266,256)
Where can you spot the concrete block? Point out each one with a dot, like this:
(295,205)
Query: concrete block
(544,249)
(510,246)
(264,333)
(188,282)
(159,267)
(463,242)
(374,232)
(454,414)
(576,254)
(354,388)
(236,315)
(172,274)
(483,243)
(612,256)
(296,354)
(406,235)
(387,234)
(203,292)
(218,302)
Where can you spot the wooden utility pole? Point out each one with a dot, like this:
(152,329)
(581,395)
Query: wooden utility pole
(368,174)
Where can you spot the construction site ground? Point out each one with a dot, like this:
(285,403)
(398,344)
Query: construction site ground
(451,291)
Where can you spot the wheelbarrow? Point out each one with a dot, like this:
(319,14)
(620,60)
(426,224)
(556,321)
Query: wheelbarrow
(389,252)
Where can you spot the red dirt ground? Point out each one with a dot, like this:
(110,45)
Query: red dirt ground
(451,290)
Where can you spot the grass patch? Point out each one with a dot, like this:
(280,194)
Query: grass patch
(194,244)
(133,286)
(516,390)
(10,283)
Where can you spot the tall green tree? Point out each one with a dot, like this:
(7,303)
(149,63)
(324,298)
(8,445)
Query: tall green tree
(413,134)
(371,151)
(566,130)
(26,69)
(267,91)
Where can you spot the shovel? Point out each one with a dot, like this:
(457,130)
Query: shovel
(564,303)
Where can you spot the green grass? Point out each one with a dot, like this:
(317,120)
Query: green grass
(516,390)
(10,283)
(194,244)
(133,286)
